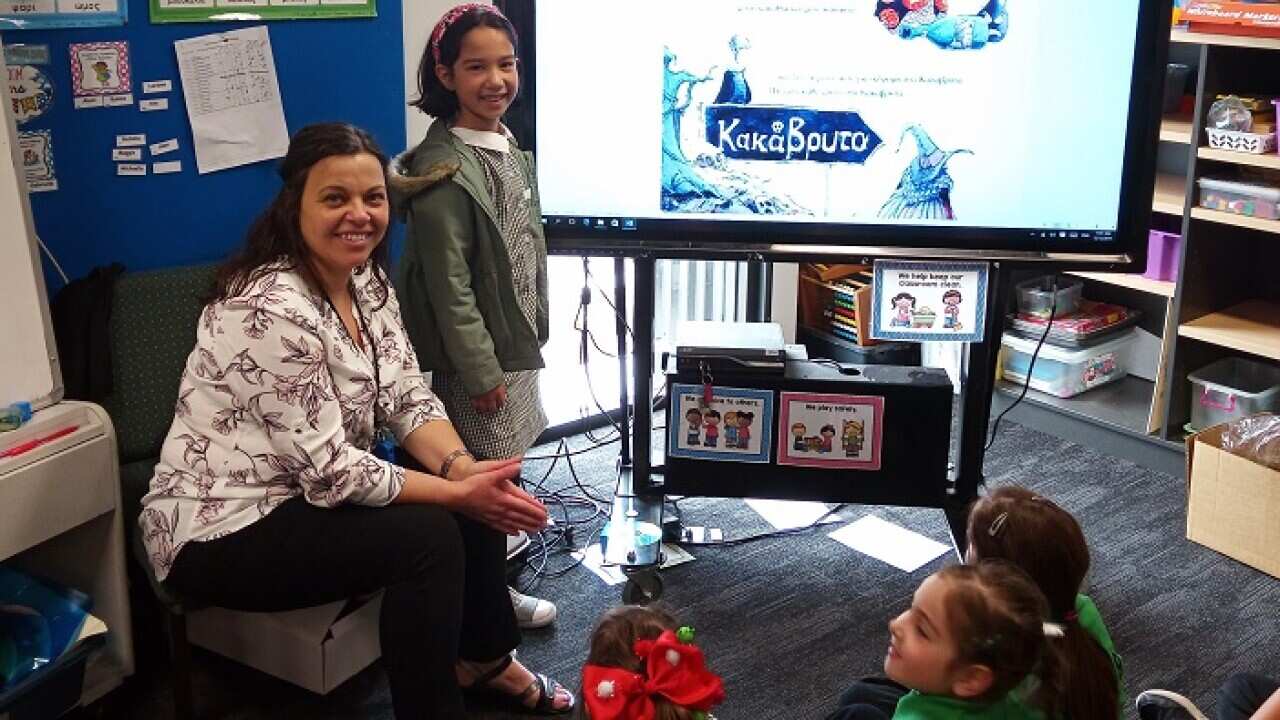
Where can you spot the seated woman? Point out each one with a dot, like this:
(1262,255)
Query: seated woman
(267,496)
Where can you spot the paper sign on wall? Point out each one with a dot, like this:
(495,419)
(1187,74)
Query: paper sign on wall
(164,146)
(45,14)
(36,149)
(30,91)
(233,98)
(101,70)
(919,301)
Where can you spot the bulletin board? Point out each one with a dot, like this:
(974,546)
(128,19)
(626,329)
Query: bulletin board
(96,217)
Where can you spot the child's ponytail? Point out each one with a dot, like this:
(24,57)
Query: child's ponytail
(1014,524)
(1077,679)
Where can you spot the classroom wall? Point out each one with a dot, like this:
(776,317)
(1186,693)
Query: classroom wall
(346,70)
(420,16)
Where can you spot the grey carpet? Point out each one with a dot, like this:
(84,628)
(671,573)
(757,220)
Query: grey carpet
(788,622)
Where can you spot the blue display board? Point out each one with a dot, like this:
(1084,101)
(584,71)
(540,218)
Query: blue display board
(329,70)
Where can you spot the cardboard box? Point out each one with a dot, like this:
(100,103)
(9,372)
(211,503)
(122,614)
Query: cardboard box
(1233,18)
(317,648)
(1233,504)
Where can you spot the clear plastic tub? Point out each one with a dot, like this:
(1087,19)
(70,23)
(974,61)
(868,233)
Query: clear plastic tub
(1063,372)
(1232,388)
(1240,198)
(1035,296)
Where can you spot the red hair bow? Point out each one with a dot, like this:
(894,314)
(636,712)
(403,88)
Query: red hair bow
(674,670)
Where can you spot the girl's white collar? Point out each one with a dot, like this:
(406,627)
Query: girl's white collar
(499,141)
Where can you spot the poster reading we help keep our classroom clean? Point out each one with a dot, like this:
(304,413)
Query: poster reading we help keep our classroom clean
(920,301)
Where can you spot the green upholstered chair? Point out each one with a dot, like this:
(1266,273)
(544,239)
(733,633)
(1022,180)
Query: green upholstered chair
(153,329)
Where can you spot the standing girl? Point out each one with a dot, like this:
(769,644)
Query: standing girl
(474,271)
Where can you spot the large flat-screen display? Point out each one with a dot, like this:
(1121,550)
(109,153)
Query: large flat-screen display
(1020,129)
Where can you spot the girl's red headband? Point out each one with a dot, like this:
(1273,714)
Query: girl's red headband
(451,17)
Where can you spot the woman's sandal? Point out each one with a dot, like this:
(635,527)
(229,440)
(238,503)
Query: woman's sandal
(546,688)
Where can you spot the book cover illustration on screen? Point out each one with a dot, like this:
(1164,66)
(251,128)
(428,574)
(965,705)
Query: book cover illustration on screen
(724,147)
(957,125)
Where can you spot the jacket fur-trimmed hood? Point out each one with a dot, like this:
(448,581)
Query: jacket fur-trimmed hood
(404,182)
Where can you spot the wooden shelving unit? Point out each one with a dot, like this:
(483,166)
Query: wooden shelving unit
(1123,405)
(1225,301)
(1252,327)
(1162,288)
(1271,161)
(1244,221)
(1170,196)
(1176,129)
(1259,43)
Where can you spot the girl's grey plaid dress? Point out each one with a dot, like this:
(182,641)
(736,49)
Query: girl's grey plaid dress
(513,429)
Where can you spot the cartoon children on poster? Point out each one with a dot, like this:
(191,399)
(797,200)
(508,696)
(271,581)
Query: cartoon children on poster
(903,304)
(951,300)
(724,427)
(848,433)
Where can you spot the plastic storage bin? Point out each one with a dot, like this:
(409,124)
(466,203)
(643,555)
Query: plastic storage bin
(1063,372)
(1240,198)
(1035,297)
(1093,323)
(1163,252)
(1232,388)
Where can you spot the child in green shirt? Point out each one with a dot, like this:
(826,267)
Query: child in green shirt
(972,635)
(1014,524)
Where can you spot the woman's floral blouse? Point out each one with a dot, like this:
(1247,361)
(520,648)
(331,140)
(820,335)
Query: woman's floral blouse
(277,401)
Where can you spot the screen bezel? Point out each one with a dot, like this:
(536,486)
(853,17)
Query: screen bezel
(800,241)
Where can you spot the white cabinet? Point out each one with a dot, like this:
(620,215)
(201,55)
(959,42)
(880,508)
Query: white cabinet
(60,519)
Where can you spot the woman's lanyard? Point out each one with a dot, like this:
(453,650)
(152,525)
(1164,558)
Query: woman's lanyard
(363,327)
(384,443)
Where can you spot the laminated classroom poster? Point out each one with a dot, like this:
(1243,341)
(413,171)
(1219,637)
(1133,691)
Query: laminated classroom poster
(733,424)
(922,301)
(822,430)
(101,75)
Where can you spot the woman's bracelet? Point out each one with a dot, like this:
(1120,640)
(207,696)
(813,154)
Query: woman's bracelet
(450,458)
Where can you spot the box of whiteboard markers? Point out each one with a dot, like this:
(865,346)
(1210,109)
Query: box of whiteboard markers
(875,434)
(1233,18)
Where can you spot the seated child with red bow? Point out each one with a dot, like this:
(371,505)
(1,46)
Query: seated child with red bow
(641,667)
